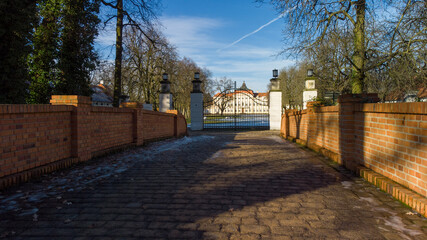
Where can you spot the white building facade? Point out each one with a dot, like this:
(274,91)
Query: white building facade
(241,101)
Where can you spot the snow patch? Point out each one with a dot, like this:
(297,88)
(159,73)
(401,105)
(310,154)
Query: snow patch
(396,223)
(216,155)
(379,209)
(393,220)
(29,212)
(276,139)
(13,197)
(175,145)
(347,184)
(37,197)
(384,229)
(370,201)
(80,177)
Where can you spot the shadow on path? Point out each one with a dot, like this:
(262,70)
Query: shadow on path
(246,185)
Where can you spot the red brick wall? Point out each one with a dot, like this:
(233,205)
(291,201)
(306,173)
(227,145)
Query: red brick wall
(158,125)
(181,125)
(390,139)
(323,128)
(33,135)
(113,127)
(35,139)
(298,118)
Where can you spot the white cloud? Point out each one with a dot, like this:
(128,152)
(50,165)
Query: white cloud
(106,37)
(199,39)
(191,34)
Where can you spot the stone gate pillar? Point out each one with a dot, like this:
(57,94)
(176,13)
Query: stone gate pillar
(310,91)
(165,102)
(165,96)
(275,103)
(196,108)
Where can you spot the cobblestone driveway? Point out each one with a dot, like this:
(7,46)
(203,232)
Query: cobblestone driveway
(248,185)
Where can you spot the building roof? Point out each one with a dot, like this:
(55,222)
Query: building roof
(263,94)
(101,93)
(242,89)
(400,95)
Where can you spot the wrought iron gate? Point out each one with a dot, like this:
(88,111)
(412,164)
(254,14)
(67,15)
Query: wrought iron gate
(237,109)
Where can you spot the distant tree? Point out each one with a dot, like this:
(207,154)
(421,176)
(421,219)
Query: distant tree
(181,78)
(223,87)
(207,84)
(292,84)
(136,13)
(330,62)
(405,36)
(309,22)
(16,24)
(144,63)
(77,57)
(104,73)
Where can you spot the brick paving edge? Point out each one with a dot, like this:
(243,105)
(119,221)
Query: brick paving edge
(404,195)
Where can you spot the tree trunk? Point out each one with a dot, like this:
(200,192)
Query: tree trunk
(119,49)
(358,69)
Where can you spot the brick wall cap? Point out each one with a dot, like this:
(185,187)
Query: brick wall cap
(396,108)
(314,104)
(131,105)
(328,109)
(145,111)
(74,100)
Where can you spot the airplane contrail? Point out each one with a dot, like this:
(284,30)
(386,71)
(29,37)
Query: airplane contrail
(257,30)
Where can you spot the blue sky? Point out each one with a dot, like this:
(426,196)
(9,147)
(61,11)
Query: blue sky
(204,30)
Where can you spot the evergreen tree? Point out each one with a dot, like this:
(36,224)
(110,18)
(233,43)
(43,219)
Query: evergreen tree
(43,60)
(63,49)
(77,55)
(16,24)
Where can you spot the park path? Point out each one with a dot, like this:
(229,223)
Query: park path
(246,185)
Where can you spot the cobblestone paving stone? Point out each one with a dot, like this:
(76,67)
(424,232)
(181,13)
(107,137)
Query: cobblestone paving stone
(246,185)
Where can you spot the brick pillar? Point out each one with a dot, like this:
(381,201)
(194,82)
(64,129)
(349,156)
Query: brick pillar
(284,126)
(311,123)
(81,147)
(347,134)
(175,121)
(137,128)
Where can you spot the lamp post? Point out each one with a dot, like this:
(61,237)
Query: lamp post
(197,83)
(275,102)
(275,73)
(196,105)
(275,84)
(165,84)
(165,97)
(310,92)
